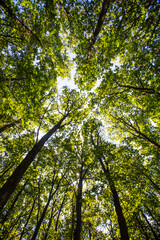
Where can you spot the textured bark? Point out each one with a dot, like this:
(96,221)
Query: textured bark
(105,7)
(11,184)
(7,126)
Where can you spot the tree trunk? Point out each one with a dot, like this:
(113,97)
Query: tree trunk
(14,202)
(78,209)
(59,212)
(118,208)
(41,219)
(50,197)
(11,184)
(150,226)
(24,228)
(49,224)
(142,228)
(105,7)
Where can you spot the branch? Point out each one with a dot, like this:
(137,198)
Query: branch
(20,23)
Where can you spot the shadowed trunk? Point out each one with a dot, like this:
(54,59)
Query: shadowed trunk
(150,226)
(49,224)
(142,228)
(24,228)
(59,212)
(14,202)
(79,209)
(118,208)
(11,184)
(50,197)
(105,6)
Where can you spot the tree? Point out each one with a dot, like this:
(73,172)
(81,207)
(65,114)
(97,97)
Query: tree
(100,143)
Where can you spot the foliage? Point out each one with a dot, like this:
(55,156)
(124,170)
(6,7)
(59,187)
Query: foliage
(106,146)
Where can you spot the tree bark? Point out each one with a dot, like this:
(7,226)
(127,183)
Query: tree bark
(118,208)
(150,226)
(50,197)
(105,7)
(14,202)
(12,182)
(59,212)
(77,231)
(22,233)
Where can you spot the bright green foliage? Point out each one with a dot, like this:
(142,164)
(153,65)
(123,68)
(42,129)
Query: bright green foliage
(114,116)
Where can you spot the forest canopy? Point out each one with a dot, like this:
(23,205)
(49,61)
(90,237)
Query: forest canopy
(83,163)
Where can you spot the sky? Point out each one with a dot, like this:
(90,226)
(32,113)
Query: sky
(70,83)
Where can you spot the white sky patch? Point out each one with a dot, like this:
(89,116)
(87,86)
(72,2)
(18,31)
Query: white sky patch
(70,82)
(67,82)
(116,63)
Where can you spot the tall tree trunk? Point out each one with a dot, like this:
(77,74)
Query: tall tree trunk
(77,231)
(105,7)
(7,126)
(152,182)
(59,212)
(150,226)
(142,228)
(24,228)
(4,171)
(73,219)
(118,208)
(14,202)
(49,224)
(12,182)
(151,214)
(41,219)
(50,197)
